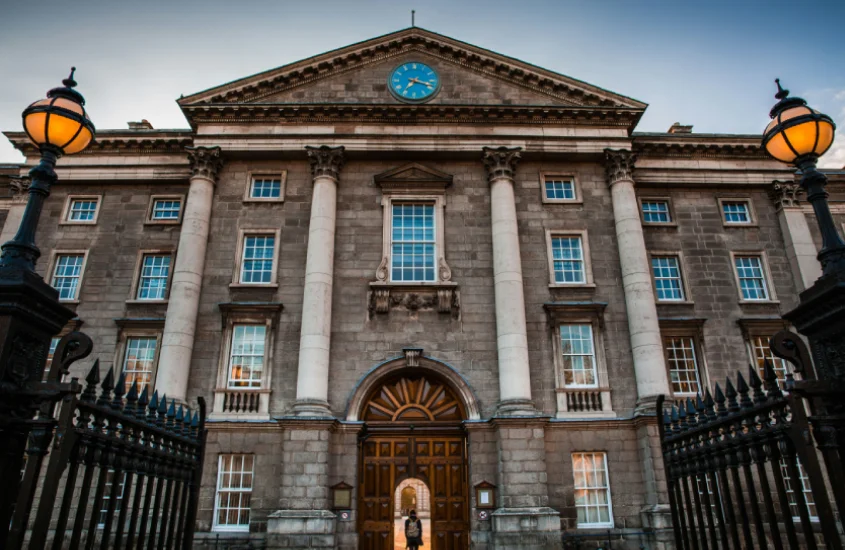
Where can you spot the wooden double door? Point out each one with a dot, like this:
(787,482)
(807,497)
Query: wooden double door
(439,461)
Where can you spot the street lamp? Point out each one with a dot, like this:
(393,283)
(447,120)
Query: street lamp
(57,125)
(799,135)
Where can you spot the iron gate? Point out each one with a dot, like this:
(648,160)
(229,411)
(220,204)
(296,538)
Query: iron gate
(741,466)
(122,470)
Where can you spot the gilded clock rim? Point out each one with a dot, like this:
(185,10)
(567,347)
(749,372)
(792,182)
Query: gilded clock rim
(408,99)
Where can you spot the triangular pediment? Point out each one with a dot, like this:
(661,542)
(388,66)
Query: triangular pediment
(413,176)
(357,75)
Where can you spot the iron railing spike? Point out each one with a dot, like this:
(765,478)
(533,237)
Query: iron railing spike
(153,405)
(144,398)
(132,394)
(719,398)
(162,405)
(709,405)
(93,378)
(770,376)
(699,404)
(743,389)
(756,383)
(730,393)
(691,413)
(180,414)
(106,386)
(119,391)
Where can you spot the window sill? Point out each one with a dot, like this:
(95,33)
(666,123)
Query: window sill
(740,225)
(230,529)
(146,302)
(163,222)
(674,302)
(241,404)
(572,285)
(673,225)
(759,302)
(444,297)
(584,402)
(71,302)
(253,200)
(248,285)
(77,223)
(563,201)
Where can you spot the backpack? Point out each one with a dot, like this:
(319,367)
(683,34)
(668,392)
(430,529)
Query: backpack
(413,529)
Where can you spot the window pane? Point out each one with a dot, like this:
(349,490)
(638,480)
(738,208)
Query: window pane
(752,281)
(246,358)
(257,266)
(559,189)
(139,362)
(568,260)
(234,488)
(104,507)
(736,212)
(579,361)
(791,487)
(683,366)
(266,188)
(413,243)
(656,212)
(82,210)
(667,278)
(66,275)
(166,209)
(592,489)
(155,269)
(762,352)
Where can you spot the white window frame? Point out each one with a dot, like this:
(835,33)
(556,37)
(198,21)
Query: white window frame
(699,379)
(780,366)
(216,525)
(593,355)
(104,503)
(669,206)
(264,366)
(151,210)
(560,176)
(281,175)
(686,297)
(139,269)
(805,488)
(54,344)
(442,273)
(156,338)
(752,215)
(97,199)
(243,234)
(605,488)
(139,329)
(585,252)
(54,260)
(771,297)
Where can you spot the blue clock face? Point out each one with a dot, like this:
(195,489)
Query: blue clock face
(414,82)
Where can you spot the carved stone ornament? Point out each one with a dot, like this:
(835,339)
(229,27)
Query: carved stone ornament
(501,162)
(381,272)
(206,162)
(784,194)
(619,165)
(326,161)
(412,356)
(444,271)
(433,298)
(20,188)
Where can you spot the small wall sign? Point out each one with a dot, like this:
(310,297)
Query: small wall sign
(341,496)
(485,495)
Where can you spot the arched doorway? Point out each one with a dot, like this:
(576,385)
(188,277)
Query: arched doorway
(413,430)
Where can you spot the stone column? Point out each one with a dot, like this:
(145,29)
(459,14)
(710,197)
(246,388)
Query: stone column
(800,248)
(511,330)
(180,324)
(312,383)
(20,194)
(646,345)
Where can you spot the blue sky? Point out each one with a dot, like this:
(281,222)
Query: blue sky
(710,64)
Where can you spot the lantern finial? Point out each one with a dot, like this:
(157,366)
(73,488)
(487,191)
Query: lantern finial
(69,81)
(781,92)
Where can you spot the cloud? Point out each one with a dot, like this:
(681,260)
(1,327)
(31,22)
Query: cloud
(835,156)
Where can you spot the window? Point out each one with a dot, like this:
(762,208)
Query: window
(751,278)
(413,243)
(246,357)
(118,501)
(82,209)
(152,283)
(579,358)
(67,274)
(656,211)
(667,278)
(568,260)
(559,189)
(592,490)
(805,489)
(713,494)
(139,361)
(166,209)
(265,188)
(762,352)
(258,259)
(683,365)
(54,343)
(736,211)
(234,492)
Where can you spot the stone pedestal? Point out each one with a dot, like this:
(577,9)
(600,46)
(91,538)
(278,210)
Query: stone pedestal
(301,529)
(526,529)
(658,519)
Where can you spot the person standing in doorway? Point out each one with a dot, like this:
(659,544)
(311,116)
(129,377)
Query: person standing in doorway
(413,531)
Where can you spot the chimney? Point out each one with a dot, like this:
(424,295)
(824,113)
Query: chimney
(678,128)
(143,125)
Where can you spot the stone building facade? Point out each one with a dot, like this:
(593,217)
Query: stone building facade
(486,287)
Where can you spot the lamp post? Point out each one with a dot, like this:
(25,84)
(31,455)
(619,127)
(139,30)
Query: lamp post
(30,312)
(799,135)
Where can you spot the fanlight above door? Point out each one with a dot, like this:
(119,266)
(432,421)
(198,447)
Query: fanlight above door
(413,399)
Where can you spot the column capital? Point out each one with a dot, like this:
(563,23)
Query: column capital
(784,194)
(205,162)
(500,162)
(619,165)
(326,161)
(20,188)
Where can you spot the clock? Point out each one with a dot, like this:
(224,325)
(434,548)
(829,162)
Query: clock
(413,82)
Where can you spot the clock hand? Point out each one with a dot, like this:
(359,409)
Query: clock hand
(416,81)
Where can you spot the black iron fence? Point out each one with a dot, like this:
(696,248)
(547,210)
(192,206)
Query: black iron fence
(109,466)
(741,466)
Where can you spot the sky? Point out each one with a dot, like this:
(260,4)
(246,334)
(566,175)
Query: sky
(706,63)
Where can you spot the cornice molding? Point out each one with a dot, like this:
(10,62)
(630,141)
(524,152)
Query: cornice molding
(698,150)
(501,162)
(326,161)
(118,144)
(619,165)
(355,56)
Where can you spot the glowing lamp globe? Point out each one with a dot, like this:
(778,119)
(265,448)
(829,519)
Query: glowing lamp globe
(796,131)
(60,121)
